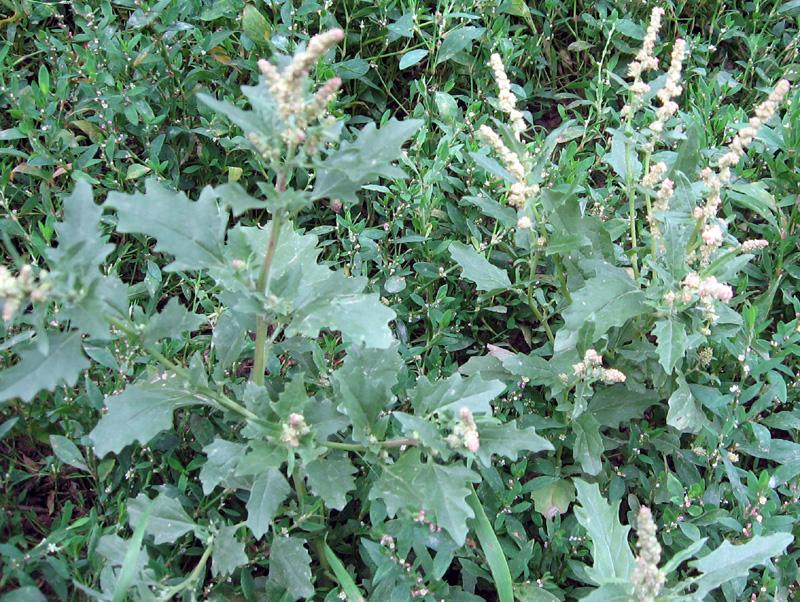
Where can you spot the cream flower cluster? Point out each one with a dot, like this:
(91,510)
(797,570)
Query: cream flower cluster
(672,88)
(287,86)
(520,190)
(293,429)
(647,579)
(15,290)
(465,432)
(508,102)
(645,61)
(714,181)
(747,134)
(756,244)
(591,368)
(708,289)
(712,240)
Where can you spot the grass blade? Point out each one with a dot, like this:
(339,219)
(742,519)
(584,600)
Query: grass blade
(491,548)
(342,576)
(131,561)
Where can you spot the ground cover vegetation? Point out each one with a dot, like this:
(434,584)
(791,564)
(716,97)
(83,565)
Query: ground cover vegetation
(398,300)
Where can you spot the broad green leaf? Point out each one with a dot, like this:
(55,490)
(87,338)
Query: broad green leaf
(168,520)
(228,553)
(342,576)
(412,57)
(508,441)
(136,171)
(269,490)
(553,498)
(477,269)
(369,157)
(254,25)
(615,405)
(611,553)
(82,247)
(62,363)
(454,393)
(611,592)
(331,478)
(672,342)
(221,464)
(66,451)
(363,387)
(530,592)
(439,490)
(193,232)
(755,197)
(171,322)
(28,593)
(731,561)
(312,295)
(623,158)
(588,448)
(457,40)
(290,566)
(228,340)
(684,412)
(609,299)
(139,413)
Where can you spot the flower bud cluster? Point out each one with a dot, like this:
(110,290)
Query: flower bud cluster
(508,102)
(293,429)
(645,61)
(16,290)
(647,579)
(287,87)
(747,134)
(591,368)
(708,289)
(672,87)
(712,240)
(520,189)
(465,432)
(757,244)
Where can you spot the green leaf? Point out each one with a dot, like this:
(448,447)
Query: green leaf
(611,592)
(60,364)
(192,232)
(254,25)
(454,393)
(615,405)
(439,490)
(139,413)
(684,412)
(171,322)
(228,553)
(457,40)
(755,197)
(342,576)
(508,441)
(290,566)
(672,342)
(731,561)
(369,157)
(136,171)
(66,451)
(623,158)
(28,593)
(412,57)
(363,387)
(553,498)
(220,467)
(609,299)
(588,448)
(477,269)
(530,592)
(495,556)
(168,520)
(611,554)
(82,247)
(331,478)
(269,490)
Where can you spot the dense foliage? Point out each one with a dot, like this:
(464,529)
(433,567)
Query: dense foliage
(464,300)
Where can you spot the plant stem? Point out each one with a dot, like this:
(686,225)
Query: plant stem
(170,593)
(357,447)
(259,355)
